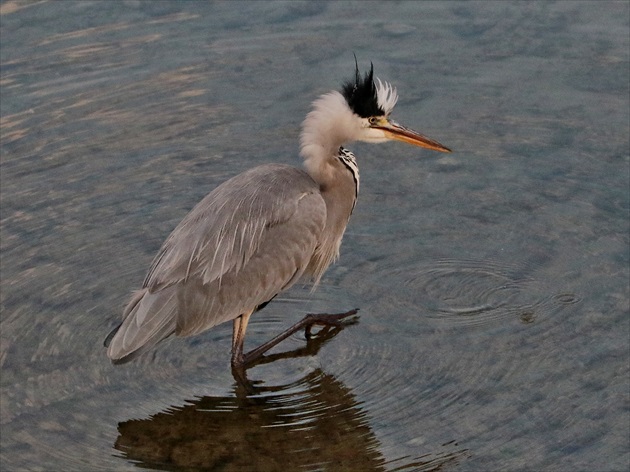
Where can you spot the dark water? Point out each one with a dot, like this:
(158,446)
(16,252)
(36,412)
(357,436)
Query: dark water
(492,282)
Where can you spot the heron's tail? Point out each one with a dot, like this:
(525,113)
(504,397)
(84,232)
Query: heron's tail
(148,318)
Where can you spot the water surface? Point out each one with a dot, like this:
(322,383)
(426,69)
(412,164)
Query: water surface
(492,282)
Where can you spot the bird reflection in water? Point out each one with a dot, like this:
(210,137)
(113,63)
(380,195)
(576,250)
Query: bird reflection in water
(314,423)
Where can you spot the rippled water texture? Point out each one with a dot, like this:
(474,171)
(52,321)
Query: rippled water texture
(492,282)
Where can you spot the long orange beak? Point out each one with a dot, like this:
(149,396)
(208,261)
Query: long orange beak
(398,132)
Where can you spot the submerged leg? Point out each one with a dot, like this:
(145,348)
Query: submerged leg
(306,323)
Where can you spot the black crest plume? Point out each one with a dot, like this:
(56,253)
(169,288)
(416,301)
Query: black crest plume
(361,94)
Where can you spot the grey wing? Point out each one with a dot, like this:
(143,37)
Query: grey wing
(246,241)
(225,229)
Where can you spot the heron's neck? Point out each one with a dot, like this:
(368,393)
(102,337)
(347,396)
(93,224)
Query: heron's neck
(339,192)
(329,125)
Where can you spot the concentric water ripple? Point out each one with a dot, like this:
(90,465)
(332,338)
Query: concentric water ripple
(467,291)
(448,338)
(480,292)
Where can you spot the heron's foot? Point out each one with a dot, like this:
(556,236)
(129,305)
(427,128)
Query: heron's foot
(328,321)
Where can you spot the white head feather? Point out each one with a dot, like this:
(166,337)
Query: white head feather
(386,96)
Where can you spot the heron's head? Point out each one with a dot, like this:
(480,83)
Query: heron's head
(361,112)
(372,103)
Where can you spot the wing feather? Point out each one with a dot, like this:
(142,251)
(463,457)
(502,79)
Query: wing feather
(149,318)
(225,229)
(284,251)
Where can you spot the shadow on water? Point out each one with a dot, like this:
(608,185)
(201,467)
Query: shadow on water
(314,423)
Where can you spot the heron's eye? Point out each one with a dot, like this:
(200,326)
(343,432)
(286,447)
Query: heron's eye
(372,120)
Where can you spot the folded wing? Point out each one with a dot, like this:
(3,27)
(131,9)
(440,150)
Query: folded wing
(246,241)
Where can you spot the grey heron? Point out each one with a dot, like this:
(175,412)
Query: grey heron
(260,232)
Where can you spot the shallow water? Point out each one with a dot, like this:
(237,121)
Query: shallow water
(492,282)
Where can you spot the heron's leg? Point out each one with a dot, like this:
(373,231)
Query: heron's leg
(305,323)
(238,338)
